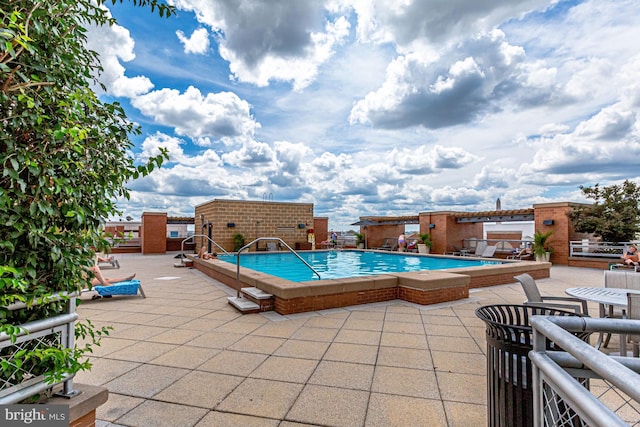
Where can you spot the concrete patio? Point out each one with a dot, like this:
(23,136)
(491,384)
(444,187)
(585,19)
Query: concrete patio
(184,357)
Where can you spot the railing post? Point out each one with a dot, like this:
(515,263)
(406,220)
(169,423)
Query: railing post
(69,342)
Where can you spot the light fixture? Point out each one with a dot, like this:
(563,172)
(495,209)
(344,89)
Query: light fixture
(432,225)
(231,224)
(302,225)
(547,222)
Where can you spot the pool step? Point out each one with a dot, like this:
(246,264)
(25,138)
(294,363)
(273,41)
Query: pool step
(253,300)
(243,305)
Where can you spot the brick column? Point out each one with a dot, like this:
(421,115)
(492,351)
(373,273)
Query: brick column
(320,229)
(153,233)
(553,217)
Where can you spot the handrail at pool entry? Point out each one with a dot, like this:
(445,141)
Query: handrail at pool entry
(200,235)
(259,239)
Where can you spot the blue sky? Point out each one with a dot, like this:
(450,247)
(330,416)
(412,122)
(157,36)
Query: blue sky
(377,107)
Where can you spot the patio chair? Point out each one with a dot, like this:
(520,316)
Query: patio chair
(457,250)
(489,252)
(534,298)
(389,244)
(617,278)
(633,312)
(480,248)
(110,261)
(271,246)
(522,254)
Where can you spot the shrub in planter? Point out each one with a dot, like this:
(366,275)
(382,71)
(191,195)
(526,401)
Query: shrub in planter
(540,245)
(425,240)
(238,241)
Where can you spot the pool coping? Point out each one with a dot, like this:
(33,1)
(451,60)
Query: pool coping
(420,287)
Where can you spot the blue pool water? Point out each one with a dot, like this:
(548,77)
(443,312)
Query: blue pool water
(340,264)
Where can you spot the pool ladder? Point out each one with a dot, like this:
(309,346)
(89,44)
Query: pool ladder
(183,257)
(244,304)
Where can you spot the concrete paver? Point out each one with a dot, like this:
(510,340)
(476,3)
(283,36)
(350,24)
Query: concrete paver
(184,357)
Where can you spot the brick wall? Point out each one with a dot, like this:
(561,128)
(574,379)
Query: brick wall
(375,234)
(88,420)
(447,233)
(504,235)
(115,231)
(432,296)
(322,302)
(500,279)
(583,262)
(252,220)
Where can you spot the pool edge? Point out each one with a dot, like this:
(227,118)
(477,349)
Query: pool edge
(422,287)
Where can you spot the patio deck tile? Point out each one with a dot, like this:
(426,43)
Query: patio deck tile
(183,356)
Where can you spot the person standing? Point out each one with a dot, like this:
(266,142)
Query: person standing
(401,242)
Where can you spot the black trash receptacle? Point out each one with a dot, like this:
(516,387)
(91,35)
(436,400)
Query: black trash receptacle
(509,373)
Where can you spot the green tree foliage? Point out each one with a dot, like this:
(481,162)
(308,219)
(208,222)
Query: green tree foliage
(65,154)
(615,215)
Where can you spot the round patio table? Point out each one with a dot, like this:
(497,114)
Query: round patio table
(606,297)
(603,296)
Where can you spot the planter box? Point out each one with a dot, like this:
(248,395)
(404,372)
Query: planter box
(423,249)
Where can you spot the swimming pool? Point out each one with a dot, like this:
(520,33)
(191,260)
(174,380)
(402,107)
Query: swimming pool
(342,264)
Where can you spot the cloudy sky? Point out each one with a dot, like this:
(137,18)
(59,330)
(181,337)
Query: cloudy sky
(377,107)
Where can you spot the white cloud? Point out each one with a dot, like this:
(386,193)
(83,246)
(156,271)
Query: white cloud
(603,147)
(198,43)
(271,41)
(219,115)
(427,25)
(426,160)
(114,44)
(479,77)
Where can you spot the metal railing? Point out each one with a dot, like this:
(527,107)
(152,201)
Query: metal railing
(582,386)
(193,238)
(502,245)
(56,331)
(585,248)
(259,239)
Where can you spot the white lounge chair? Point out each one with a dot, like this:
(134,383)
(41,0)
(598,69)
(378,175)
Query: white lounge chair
(489,252)
(480,248)
(271,246)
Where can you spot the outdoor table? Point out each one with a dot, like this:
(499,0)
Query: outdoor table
(604,297)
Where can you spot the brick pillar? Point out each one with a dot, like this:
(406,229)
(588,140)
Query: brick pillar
(153,233)
(553,217)
(320,229)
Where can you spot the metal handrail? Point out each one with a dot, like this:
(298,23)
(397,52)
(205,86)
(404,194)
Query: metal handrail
(585,248)
(552,368)
(502,245)
(200,235)
(259,239)
(64,324)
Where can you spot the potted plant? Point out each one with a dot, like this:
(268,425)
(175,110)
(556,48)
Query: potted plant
(359,240)
(238,241)
(541,248)
(424,243)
